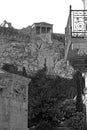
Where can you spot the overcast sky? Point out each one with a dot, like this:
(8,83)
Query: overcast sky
(22,13)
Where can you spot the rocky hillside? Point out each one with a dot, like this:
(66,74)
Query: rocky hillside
(31,53)
(63,69)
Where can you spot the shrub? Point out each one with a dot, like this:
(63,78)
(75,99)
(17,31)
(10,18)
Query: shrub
(66,110)
(44,126)
(10,68)
(77,121)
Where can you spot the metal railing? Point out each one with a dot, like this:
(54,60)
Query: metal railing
(77,24)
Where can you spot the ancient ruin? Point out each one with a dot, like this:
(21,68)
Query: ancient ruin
(13,101)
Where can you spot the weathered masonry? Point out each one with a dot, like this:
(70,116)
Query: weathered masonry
(13,102)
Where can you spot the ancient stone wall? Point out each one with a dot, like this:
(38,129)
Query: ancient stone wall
(13,102)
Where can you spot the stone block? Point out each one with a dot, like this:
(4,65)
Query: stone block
(13,102)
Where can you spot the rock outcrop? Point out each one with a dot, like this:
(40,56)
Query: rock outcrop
(32,53)
(63,69)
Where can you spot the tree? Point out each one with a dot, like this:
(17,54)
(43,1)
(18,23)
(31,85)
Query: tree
(42,95)
(79,85)
(45,94)
(24,71)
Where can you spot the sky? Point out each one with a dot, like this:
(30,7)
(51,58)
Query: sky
(22,13)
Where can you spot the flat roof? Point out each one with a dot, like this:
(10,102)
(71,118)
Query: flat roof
(42,23)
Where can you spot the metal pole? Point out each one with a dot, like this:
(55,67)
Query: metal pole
(85,91)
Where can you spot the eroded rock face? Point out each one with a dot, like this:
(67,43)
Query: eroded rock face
(32,54)
(63,69)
